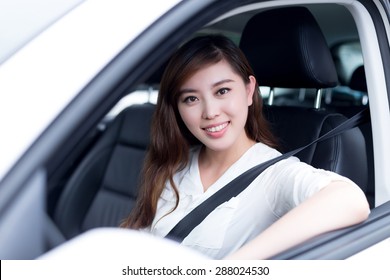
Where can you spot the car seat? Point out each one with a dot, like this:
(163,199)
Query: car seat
(294,54)
(103,189)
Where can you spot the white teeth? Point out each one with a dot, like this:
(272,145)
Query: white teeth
(216,128)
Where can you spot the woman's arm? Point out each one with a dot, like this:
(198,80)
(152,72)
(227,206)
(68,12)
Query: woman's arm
(338,205)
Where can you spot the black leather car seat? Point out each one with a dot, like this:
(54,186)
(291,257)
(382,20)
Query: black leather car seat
(103,189)
(294,54)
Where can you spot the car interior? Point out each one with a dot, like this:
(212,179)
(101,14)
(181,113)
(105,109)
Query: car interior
(311,77)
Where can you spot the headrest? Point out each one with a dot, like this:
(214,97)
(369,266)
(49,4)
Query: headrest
(135,127)
(286,48)
(358,80)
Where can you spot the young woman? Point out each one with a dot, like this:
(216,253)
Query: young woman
(208,128)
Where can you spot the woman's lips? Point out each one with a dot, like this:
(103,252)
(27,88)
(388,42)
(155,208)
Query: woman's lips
(216,130)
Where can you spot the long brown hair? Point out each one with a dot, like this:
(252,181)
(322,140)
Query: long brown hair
(170,139)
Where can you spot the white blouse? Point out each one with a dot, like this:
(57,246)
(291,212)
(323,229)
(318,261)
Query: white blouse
(273,193)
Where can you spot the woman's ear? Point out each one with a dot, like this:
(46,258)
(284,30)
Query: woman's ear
(250,89)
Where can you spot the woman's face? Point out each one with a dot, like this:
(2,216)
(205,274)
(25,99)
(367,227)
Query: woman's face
(213,104)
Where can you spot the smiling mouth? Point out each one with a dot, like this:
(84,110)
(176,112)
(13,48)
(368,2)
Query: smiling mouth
(216,128)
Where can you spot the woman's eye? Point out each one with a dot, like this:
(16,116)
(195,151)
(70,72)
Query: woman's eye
(223,91)
(190,99)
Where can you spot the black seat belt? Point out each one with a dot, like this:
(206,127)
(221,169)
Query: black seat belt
(240,183)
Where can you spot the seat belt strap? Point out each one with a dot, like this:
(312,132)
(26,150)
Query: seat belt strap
(240,183)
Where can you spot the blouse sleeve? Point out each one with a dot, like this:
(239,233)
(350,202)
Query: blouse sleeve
(293,182)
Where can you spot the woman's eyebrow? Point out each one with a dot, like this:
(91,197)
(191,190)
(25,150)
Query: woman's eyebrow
(222,82)
(216,84)
(187,90)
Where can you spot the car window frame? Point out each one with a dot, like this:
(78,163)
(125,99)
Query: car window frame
(315,247)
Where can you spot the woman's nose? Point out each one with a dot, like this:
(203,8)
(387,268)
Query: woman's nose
(210,109)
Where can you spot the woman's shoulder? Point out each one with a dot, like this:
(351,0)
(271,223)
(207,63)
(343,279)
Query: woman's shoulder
(263,152)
